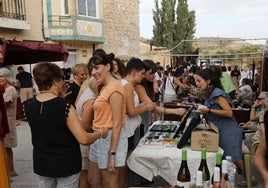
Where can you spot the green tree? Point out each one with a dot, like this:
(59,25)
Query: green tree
(173,23)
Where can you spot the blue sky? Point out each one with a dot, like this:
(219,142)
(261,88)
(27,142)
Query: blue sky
(245,19)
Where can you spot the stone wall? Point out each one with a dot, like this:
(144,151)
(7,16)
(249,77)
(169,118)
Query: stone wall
(121,27)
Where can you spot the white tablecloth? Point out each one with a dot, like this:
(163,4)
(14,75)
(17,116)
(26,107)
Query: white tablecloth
(165,162)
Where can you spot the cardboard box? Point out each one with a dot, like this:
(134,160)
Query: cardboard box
(205,137)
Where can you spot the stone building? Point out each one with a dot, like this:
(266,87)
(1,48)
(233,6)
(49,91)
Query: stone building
(81,25)
(157,54)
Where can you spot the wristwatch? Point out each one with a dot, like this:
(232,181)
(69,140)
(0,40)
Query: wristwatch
(111,153)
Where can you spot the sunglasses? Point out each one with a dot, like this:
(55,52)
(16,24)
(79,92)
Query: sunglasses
(260,99)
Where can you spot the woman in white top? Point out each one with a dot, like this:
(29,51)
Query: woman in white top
(170,88)
(85,112)
(135,70)
(172,84)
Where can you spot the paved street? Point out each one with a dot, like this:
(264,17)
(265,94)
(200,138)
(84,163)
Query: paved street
(23,159)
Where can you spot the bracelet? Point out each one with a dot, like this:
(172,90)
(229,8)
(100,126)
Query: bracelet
(261,122)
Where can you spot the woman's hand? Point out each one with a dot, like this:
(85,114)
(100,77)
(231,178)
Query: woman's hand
(203,110)
(244,125)
(110,165)
(64,93)
(179,111)
(103,132)
(150,106)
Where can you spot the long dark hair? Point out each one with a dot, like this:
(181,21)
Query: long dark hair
(212,74)
(101,59)
(149,86)
(121,67)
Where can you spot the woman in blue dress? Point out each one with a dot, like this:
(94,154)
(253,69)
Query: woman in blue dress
(218,110)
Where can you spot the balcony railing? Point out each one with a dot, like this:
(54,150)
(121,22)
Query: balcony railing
(13,15)
(13,9)
(72,27)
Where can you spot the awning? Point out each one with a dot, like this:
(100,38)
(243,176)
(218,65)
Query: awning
(30,52)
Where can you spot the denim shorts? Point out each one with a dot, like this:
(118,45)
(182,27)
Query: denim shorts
(98,152)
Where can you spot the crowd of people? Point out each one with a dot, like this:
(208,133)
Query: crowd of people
(94,122)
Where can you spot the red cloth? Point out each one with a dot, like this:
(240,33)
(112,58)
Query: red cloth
(4,128)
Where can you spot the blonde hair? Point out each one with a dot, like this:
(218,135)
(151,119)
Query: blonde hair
(92,84)
(76,68)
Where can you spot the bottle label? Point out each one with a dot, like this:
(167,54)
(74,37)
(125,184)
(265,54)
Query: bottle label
(183,184)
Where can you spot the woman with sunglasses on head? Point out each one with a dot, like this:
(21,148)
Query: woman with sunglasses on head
(255,112)
(146,93)
(108,155)
(253,124)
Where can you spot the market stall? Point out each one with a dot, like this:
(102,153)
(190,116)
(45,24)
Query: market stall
(158,152)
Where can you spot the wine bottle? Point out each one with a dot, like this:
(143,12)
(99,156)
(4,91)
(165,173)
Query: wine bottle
(218,164)
(216,178)
(204,167)
(183,177)
(199,179)
(225,183)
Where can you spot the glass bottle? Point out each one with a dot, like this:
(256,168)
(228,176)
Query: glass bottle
(218,164)
(225,183)
(184,177)
(216,178)
(199,179)
(204,167)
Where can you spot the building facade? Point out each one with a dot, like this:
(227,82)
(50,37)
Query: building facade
(81,25)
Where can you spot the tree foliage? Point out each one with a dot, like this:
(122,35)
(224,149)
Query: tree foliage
(173,22)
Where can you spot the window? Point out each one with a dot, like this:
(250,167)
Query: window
(87,8)
(65,7)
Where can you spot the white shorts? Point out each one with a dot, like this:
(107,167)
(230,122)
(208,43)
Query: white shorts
(98,152)
(60,182)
